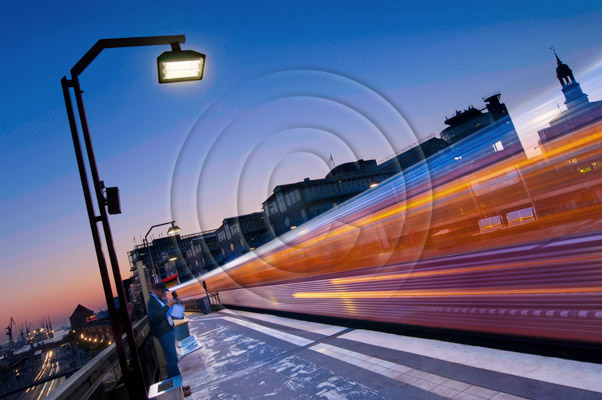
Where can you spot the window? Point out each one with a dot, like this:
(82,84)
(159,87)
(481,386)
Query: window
(498,146)
(280,200)
(272,208)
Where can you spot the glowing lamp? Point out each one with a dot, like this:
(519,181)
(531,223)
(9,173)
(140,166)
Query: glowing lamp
(173,230)
(180,65)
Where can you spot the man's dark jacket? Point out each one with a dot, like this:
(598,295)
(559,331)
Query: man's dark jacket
(157,317)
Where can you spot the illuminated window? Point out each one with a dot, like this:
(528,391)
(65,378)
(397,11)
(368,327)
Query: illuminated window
(498,146)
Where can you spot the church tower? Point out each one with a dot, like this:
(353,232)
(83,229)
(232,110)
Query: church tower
(579,113)
(570,87)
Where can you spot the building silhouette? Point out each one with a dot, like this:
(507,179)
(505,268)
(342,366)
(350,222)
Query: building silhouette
(204,253)
(414,155)
(238,235)
(579,112)
(79,317)
(293,204)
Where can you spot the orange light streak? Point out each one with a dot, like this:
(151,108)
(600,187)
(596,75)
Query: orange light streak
(338,281)
(438,293)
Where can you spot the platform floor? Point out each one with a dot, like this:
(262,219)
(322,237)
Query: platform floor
(255,356)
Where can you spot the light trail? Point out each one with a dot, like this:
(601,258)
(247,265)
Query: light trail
(425,231)
(518,264)
(54,369)
(46,383)
(42,369)
(439,293)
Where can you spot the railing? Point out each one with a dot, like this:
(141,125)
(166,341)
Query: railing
(182,237)
(103,372)
(204,304)
(408,148)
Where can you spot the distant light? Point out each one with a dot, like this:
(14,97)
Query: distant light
(458,158)
(373,184)
(173,230)
(180,65)
(173,258)
(293,226)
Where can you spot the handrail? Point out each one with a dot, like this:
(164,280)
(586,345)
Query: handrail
(83,382)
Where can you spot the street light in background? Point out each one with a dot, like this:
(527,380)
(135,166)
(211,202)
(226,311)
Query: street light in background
(173,230)
(177,66)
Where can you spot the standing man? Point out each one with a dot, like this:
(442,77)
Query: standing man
(161,326)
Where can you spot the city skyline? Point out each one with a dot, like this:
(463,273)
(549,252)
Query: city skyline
(140,129)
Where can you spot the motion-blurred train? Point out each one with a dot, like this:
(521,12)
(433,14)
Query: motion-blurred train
(491,244)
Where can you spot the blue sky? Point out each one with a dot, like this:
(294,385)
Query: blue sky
(285,85)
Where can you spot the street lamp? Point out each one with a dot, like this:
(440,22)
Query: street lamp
(173,230)
(172,73)
(180,65)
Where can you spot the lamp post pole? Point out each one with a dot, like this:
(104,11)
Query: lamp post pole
(152,259)
(133,373)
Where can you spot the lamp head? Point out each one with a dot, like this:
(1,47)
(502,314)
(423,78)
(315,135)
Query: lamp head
(180,65)
(173,230)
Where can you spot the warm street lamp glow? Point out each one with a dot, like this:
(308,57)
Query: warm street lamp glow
(373,184)
(180,65)
(173,230)
(173,258)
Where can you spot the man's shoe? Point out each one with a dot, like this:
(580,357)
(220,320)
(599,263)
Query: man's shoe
(187,393)
(186,388)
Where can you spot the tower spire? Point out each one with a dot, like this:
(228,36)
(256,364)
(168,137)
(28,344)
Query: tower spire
(570,87)
(557,59)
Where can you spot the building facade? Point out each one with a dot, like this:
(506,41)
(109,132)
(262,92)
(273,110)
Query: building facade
(204,253)
(239,235)
(166,256)
(294,204)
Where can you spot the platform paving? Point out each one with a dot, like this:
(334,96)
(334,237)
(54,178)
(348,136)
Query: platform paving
(256,356)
